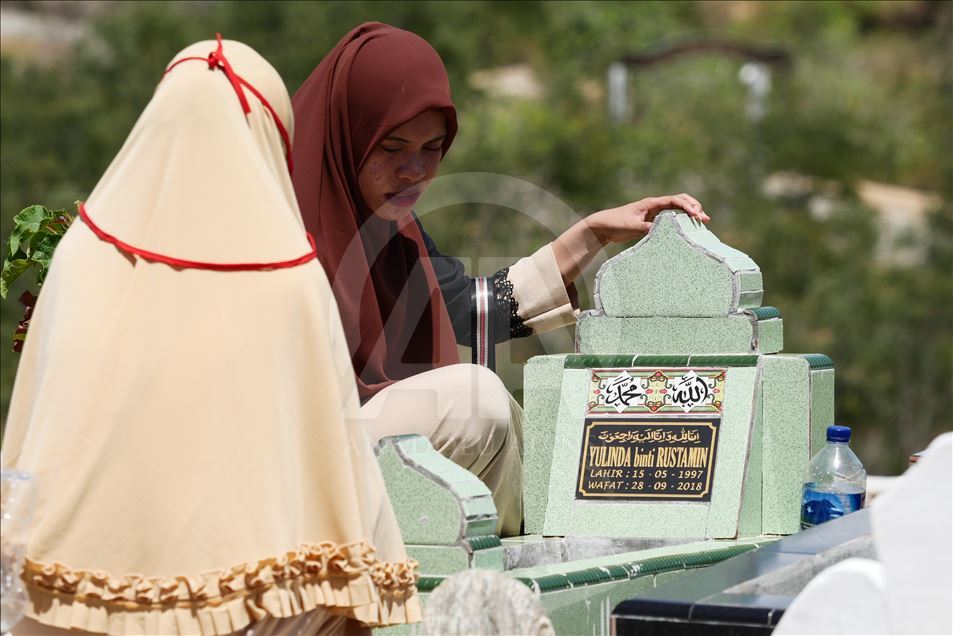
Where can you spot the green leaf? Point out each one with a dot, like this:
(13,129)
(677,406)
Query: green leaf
(43,246)
(37,231)
(25,225)
(11,271)
(18,237)
(33,216)
(30,219)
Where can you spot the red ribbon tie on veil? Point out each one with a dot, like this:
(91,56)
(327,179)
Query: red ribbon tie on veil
(217,60)
(103,235)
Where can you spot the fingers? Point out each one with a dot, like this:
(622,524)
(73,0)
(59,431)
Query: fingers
(692,202)
(691,205)
(681,201)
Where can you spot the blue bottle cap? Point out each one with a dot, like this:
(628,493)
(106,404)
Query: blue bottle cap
(838,434)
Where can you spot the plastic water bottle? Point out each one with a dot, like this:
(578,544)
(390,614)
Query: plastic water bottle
(836,481)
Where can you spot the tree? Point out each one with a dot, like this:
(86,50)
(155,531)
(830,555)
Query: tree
(867,95)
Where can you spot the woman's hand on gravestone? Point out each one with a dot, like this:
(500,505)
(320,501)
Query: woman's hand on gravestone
(575,248)
(633,220)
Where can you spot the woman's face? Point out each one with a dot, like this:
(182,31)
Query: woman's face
(399,169)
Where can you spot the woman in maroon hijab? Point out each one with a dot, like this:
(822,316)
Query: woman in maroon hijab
(373,122)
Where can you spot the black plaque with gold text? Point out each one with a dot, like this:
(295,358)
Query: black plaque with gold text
(648,459)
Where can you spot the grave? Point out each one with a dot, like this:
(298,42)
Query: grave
(678,416)
(675,437)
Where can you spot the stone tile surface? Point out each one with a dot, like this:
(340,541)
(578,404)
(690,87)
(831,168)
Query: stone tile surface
(750,281)
(489,559)
(568,426)
(749,300)
(749,518)
(542,383)
(439,559)
(479,515)
(436,502)
(607,335)
(587,610)
(822,407)
(737,423)
(695,547)
(770,335)
(786,440)
(679,269)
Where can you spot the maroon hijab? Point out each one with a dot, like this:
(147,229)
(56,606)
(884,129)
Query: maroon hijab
(374,80)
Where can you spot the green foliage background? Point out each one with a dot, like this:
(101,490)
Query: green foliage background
(868,95)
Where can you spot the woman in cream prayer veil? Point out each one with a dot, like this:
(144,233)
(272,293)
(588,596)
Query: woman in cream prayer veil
(185,392)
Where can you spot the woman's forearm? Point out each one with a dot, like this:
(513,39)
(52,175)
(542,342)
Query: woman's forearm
(575,248)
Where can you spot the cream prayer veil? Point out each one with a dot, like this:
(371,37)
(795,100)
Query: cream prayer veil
(189,428)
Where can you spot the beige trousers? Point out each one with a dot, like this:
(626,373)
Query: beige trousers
(469,417)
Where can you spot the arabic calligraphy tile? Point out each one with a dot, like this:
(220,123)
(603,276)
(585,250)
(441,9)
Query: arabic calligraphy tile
(631,390)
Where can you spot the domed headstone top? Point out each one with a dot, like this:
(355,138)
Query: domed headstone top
(679,269)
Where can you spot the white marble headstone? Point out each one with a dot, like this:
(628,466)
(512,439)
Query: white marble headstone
(909,589)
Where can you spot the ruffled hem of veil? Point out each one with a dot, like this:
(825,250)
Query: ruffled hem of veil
(346,580)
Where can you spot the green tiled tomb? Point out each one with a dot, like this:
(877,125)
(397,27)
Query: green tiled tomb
(446,515)
(677,301)
(677,368)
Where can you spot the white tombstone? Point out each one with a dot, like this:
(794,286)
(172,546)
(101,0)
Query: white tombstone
(909,588)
